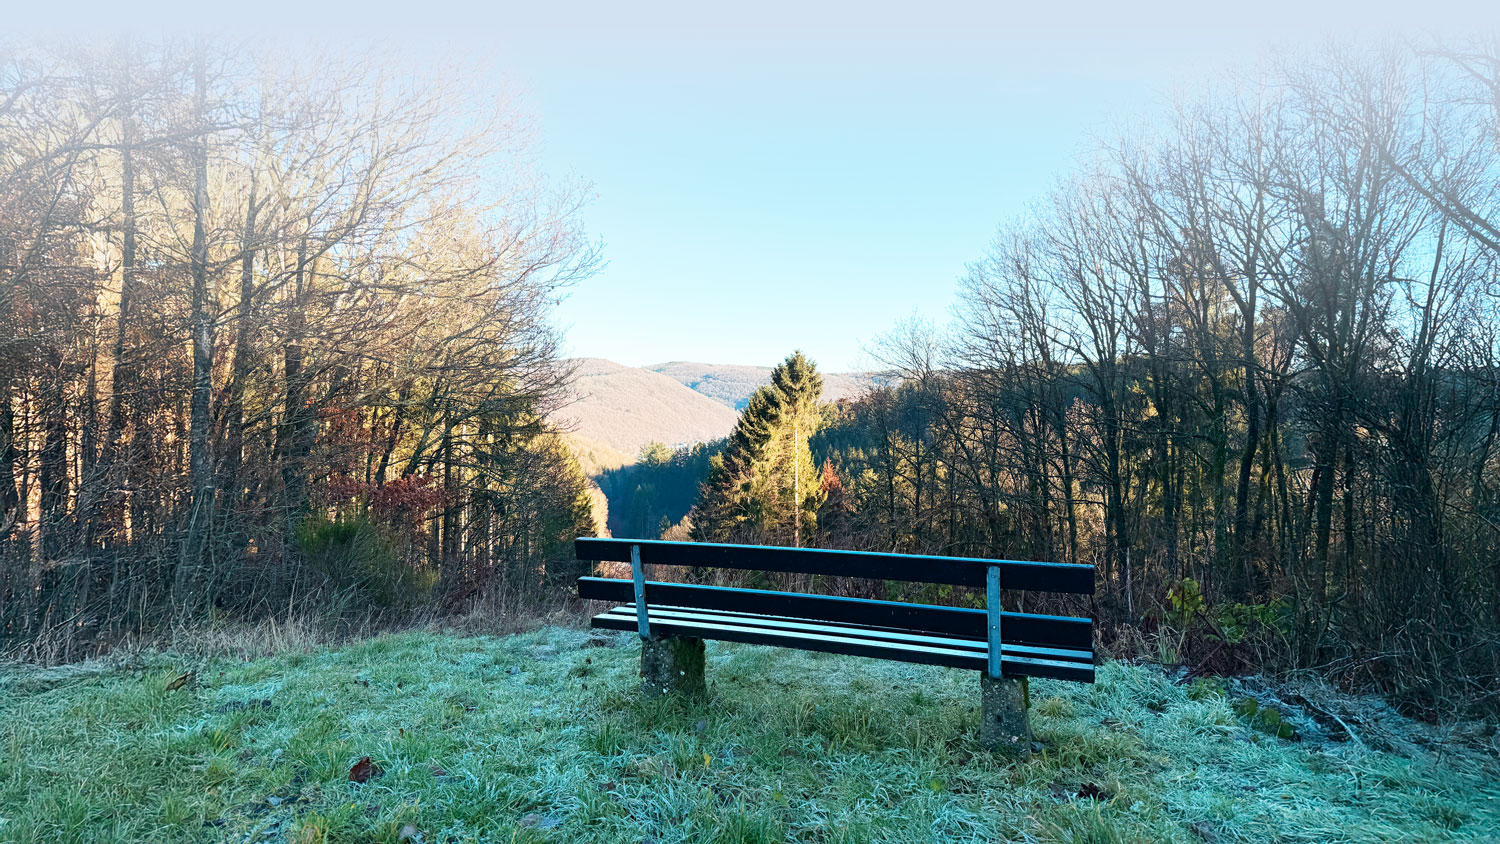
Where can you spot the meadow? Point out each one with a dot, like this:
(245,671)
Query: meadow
(541,736)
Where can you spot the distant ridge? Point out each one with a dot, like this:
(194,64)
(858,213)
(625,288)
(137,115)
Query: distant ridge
(731,385)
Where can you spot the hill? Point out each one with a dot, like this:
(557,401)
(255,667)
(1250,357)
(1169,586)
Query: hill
(595,457)
(542,737)
(622,408)
(731,385)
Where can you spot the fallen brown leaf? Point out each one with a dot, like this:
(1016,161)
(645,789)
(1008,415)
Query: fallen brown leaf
(363,770)
(182,680)
(1092,790)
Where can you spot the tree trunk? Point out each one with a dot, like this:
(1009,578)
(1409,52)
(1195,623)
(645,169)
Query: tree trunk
(1325,473)
(10,496)
(52,478)
(234,437)
(449,548)
(294,441)
(1070,505)
(200,464)
(11,556)
(114,470)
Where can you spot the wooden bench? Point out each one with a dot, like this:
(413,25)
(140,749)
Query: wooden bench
(673,619)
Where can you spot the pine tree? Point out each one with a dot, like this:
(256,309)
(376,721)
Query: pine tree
(763,487)
(791,471)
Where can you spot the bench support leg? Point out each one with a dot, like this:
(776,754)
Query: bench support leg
(672,664)
(1004,725)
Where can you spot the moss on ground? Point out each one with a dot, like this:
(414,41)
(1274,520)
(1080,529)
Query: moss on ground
(540,737)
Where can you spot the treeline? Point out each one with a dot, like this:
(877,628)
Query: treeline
(1247,365)
(1249,360)
(270,328)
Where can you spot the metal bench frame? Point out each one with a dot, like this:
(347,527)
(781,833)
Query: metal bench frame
(1058,647)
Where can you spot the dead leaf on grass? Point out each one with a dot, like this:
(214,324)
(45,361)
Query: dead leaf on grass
(364,770)
(1092,790)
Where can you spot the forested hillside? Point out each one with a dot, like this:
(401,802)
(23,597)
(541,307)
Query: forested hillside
(625,408)
(275,333)
(650,497)
(647,443)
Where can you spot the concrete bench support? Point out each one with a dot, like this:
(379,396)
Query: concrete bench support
(1004,726)
(672,664)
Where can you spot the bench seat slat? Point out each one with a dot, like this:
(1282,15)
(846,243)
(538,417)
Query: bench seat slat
(976,645)
(958,654)
(955,571)
(1020,628)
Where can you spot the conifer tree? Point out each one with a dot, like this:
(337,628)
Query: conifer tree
(763,487)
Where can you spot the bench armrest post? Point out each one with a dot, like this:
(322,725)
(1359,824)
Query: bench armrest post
(992,609)
(638,574)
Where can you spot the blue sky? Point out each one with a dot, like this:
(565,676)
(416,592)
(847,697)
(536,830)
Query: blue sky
(755,201)
(790,179)
(776,175)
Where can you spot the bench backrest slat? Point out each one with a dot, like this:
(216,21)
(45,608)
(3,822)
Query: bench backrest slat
(1020,628)
(912,568)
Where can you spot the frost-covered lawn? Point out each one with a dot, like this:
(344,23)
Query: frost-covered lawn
(539,737)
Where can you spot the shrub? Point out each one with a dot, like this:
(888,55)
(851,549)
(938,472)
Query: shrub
(1186,603)
(358,557)
(1222,638)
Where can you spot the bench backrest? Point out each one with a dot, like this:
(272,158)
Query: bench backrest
(911,568)
(990,624)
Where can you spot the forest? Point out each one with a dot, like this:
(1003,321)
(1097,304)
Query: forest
(275,335)
(278,334)
(1245,364)
(652,496)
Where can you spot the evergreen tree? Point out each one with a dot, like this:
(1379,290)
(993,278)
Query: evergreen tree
(764,486)
(655,454)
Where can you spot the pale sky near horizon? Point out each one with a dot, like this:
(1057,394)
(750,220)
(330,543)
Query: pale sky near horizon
(771,176)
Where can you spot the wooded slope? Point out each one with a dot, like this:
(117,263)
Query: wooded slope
(624,408)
